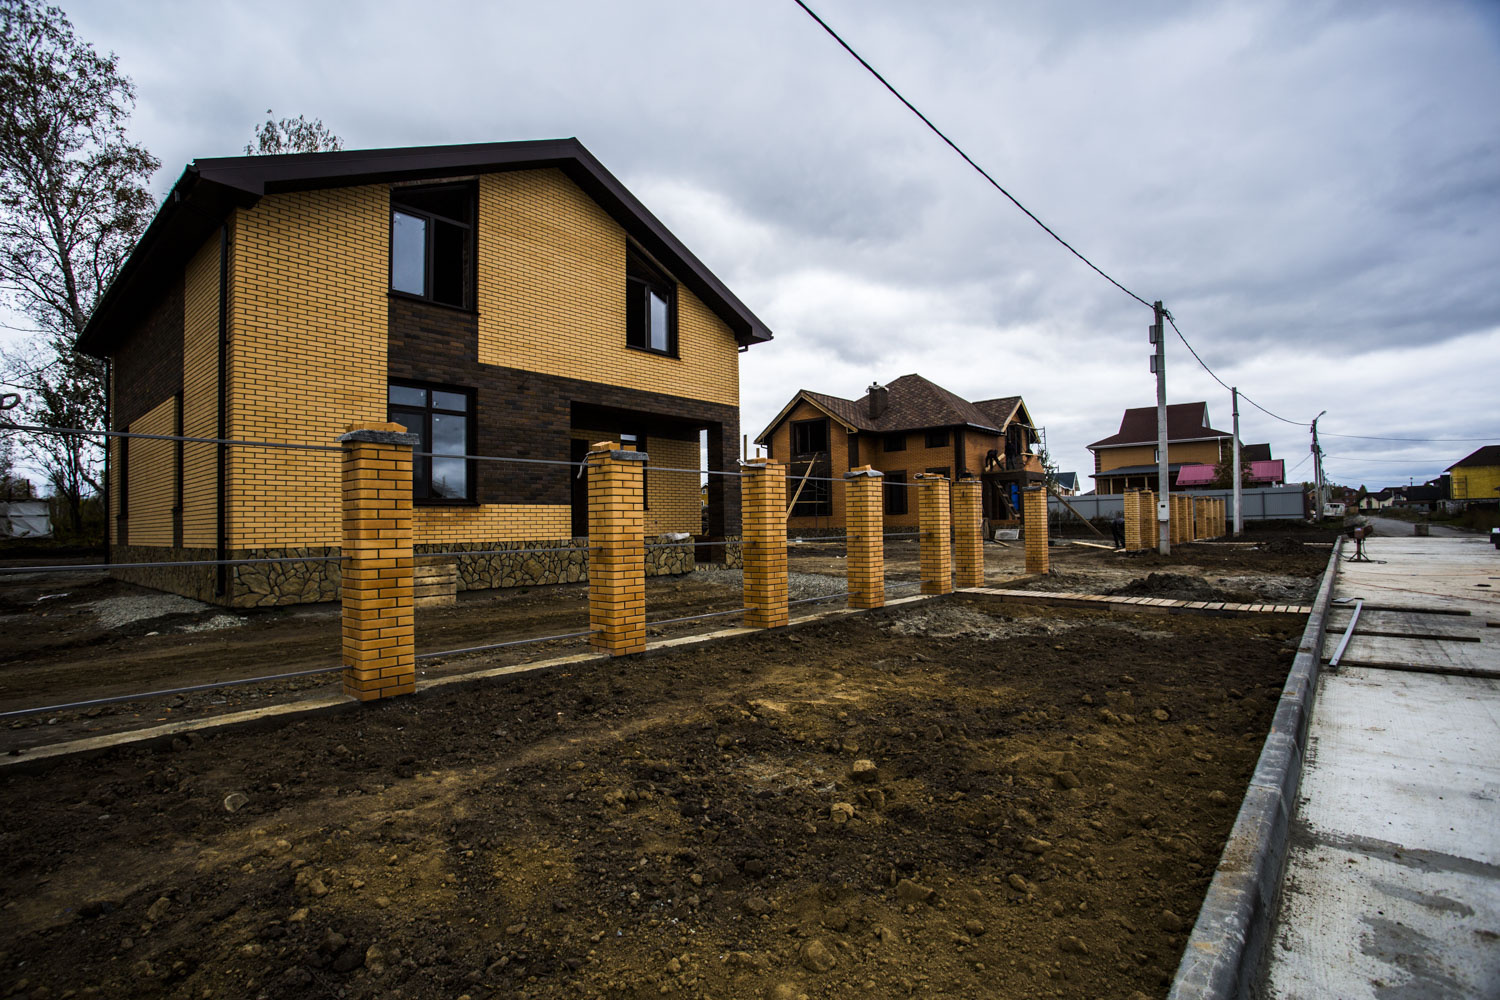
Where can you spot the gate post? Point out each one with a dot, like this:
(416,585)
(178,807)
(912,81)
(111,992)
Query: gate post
(763,544)
(1034,505)
(1132,514)
(376,562)
(617,550)
(864,526)
(937,542)
(968,534)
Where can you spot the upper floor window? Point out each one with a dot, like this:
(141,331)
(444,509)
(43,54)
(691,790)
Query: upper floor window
(937,439)
(895,442)
(809,437)
(442,421)
(650,306)
(432,243)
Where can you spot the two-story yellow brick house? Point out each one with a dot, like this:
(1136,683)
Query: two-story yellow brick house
(1475,478)
(1126,460)
(501,299)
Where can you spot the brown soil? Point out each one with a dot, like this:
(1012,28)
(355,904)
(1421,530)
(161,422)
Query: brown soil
(1177,587)
(1050,793)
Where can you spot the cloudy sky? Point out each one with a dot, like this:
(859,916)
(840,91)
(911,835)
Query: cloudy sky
(1312,188)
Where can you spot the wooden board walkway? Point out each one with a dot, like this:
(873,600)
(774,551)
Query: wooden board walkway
(1153,605)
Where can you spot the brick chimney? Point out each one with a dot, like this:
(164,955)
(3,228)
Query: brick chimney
(878,398)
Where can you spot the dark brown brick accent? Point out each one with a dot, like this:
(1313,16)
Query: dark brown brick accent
(530,415)
(148,361)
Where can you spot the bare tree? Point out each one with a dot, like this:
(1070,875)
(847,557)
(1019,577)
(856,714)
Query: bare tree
(292,135)
(73,201)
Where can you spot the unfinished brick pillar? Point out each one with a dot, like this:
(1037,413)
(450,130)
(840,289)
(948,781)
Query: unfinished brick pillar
(1034,511)
(376,564)
(1206,518)
(968,534)
(617,550)
(1175,525)
(864,526)
(1220,506)
(1133,521)
(937,533)
(763,513)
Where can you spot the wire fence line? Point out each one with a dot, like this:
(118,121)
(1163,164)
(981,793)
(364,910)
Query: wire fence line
(167,692)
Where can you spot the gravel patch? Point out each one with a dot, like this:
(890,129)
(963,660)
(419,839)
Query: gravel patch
(214,624)
(114,612)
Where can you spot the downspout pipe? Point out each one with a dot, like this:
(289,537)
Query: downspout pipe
(221,548)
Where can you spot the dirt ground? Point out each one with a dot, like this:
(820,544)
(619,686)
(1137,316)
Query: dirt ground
(1046,795)
(71,637)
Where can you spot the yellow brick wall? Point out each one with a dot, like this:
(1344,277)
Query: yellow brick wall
(153,477)
(551,295)
(491,522)
(917,458)
(200,395)
(1193,452)
(1479,482)
(674,500)
(308,331)
(838,446)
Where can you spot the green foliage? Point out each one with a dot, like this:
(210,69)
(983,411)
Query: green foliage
(73,202)
(292,135)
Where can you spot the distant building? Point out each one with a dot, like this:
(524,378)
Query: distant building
(1476,477)
(1127,459)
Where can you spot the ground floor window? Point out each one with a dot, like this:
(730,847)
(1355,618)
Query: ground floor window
(442,419)
(895,492)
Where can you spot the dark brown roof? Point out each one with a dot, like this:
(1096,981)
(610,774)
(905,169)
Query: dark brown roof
(210,189)
(1488,455)
(913,403)
(1255,453)
(1185,422)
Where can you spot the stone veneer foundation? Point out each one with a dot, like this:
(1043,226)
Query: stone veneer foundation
(317,579)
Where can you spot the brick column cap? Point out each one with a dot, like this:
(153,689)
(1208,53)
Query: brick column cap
(864,471)
(380,434)
(765,462)
(930,475)
(1031,489)
(612,449)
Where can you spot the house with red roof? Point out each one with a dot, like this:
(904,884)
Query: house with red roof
(1127,459)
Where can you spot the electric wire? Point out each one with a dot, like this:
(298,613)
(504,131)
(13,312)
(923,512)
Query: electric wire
(967,159)
(1215,377)
(1370,437)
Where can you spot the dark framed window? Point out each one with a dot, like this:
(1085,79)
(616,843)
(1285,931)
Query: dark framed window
(895,442)
(809,437)
(650,306)
(941,470)
(816,499)
(443,420)
(937,439)
(432,243)
(895,492)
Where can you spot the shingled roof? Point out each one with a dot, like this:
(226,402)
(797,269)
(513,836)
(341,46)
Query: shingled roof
(913,403)
(1488,455)
(1185,422)
(209,191)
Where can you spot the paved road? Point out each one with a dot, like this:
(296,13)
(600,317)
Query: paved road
(1390,527)
(1392,884)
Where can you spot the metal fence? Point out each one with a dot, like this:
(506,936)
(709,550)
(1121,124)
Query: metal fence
(1267,503)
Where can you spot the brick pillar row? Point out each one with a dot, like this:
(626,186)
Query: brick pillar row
(864,522)
(968,534)
(763,511)
(376,564)
(617,550)
(1034,514)
(936,529)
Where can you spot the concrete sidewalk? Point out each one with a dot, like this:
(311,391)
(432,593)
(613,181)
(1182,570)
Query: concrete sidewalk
(1392,884)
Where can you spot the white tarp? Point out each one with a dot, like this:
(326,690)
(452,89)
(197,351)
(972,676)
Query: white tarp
(25,519)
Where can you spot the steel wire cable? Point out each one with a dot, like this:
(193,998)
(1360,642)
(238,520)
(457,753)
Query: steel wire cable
(163,692)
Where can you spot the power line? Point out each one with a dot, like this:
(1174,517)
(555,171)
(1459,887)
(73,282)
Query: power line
(1367,437)
(967,159)
(1382,461)
(1215,377)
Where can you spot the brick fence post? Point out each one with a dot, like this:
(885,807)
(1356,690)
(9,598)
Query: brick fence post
(1219,507)
(937,533)
(1034,510)
(1175,525)
(968,534)
(864,527)
(1150,527)
(617,550)
(1133,525)
(376,564)
(763,542)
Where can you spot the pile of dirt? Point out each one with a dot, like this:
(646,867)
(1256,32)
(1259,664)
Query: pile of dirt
(1283,547)
(1174,586)
(833,810)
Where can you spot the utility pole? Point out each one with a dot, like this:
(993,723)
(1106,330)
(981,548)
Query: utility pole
(1317,455)
(1239,516)
(1163,483)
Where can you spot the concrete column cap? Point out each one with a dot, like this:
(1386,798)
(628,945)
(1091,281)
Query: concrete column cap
(367,435)
(864,471)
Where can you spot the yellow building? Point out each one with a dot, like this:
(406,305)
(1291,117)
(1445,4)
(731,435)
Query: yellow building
(1127,459)
(501,299)
(1476,478)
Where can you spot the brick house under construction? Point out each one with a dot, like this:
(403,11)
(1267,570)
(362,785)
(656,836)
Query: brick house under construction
(502,299)
(908,427)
